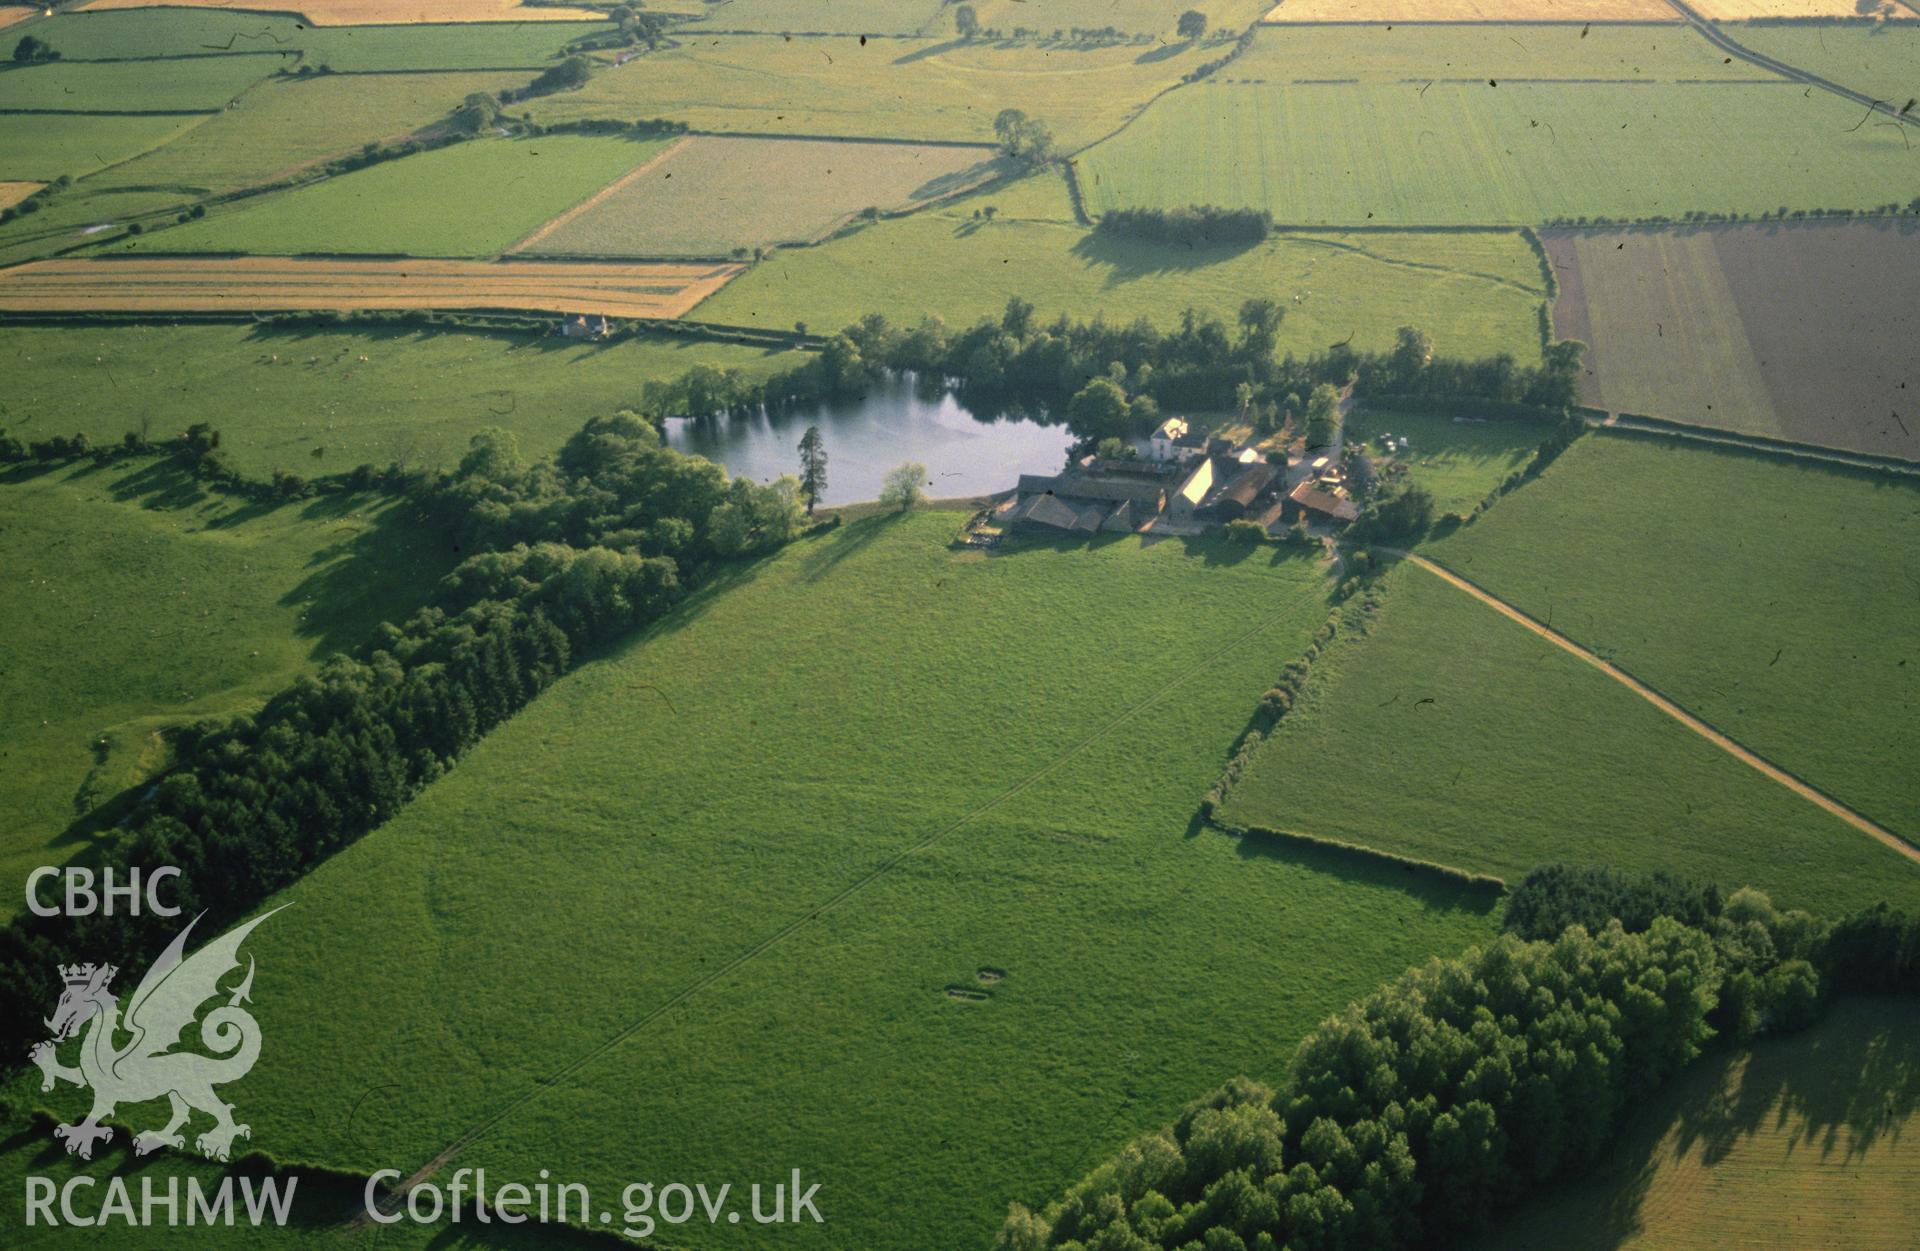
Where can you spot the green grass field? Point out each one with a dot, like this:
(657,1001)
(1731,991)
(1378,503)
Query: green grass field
(833,17)
(200,84)
(1477,293)
(710,196)
(417,397)
(1881,59)
(175,32)
(605,864)
(1773,600)
(1135,17)
(471,199)
(280,127)
(42,148)
(1452,734)
(1480,50)
(890,88)
(1811,1134)
(1459,461)
(136,601)
(73,216)
(1401,154)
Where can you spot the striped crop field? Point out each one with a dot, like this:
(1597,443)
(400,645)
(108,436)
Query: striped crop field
(265,284)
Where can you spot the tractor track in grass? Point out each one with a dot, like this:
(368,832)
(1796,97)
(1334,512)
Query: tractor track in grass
(1718,738)
(633,1028)
(601,196)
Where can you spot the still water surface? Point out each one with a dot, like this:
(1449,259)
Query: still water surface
(964,454)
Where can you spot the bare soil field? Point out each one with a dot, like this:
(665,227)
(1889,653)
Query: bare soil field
(11,193)
(8,16)
(385,12)
(707,195)
(1473,11)
(1799,331)
(269,284)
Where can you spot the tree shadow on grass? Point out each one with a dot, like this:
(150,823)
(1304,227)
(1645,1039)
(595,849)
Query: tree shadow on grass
(844,541)
(1129,259)
(1358,867)
(1161,52)
(1838,1093)
(931,50)
(980,172)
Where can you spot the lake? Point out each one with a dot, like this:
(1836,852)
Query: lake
(964,454)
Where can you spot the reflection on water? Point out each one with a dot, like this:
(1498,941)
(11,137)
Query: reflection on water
(964,454)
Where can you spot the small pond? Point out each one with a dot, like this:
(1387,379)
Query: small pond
(895,422)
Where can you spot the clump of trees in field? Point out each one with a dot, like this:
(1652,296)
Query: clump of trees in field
(568,553)
(1023,138)
(1197,225)
(1417,1114)
(34,51)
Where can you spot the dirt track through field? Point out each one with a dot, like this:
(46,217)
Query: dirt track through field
(613,188)
(1718,739)
(893,862)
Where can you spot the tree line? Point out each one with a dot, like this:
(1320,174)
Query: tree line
(569,553)
(1417,1114)
(1197,225)
(1112,381)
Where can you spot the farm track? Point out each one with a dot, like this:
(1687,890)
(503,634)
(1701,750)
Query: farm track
(261,284)
(1713,34)
(1427,266)
(1719,739)
(813,913)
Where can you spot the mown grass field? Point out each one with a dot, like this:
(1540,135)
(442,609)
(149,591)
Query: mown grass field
(42,148)
(1471,11)
(473,199)
(1743,10)
(279,128)
(1419,54)
(1807,1138)
(910,89)
(1774,600)
(1519,152)
(1881,59)
(201,84)
(398,12)
(653,290)
(1458,460)
(1452,734)
(709,196)
(136,601)
(651,819)
(278,396)
(285,39)
(1477,294)
(1791,331)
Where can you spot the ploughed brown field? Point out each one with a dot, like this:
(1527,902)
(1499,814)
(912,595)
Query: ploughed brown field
(11,193)
(1799,331)
(276,284)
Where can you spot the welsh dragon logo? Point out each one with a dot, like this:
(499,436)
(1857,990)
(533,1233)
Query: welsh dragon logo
(147,1067)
